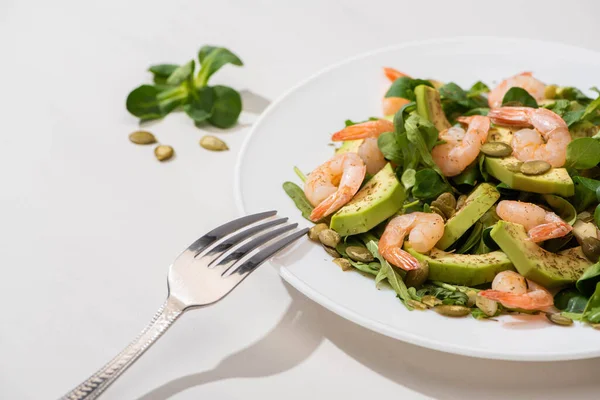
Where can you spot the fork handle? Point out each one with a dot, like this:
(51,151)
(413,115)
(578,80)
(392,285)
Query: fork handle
(103,378)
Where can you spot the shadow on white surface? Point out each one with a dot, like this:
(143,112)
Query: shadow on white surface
(305,325)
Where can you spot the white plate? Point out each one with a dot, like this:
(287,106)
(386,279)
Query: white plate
(295,130)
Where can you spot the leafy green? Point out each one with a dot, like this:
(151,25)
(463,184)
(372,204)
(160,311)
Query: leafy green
(585,192)
(423,136)
(571,93)
(563,208)
(591,313)
(297,195)
(587,282)
(517,96)
(447,295)
(583,153)
(349,122)
(370,268)
(472,240)
(390,147)
(429,185)
(175,87)
(597,216)
(481,164)
(408,178)
(300,174)
(570,300)
(469,176)
(404,87)
(559,107)
(477,89)
(456,101)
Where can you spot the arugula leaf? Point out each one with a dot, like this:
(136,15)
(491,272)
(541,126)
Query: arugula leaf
(181,74)
(587,282)
(517,96)
(429,185)
(585,192)
(404,87)
(297,195)
(447,295)
(212,59)
(390,147)
(591,313)
(227,107)
(583,153)
(570,300)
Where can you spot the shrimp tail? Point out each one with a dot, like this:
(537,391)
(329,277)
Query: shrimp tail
(401,259)
(510,116)
(524,301)
(335,201)
(369,129)
(393,74)
(549,231)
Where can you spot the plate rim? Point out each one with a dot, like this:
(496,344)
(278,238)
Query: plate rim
(345,312)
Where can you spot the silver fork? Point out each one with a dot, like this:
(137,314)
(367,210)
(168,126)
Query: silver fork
(202,275)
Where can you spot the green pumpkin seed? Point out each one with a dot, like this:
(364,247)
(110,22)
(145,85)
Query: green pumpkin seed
(446,203)
(213,143)
(332,252)
(142,137)
(343,263)
(329,238)
(460,202)
(585,216)
(452,311)
(472,297)
(416,277)
(430,301)
(163,152)
(537,167)
(496,149)
(514,167)
(313,233)
(359,253)
(596,326)
(489,307)
(559,319)
(437,211)
(591,248)
(417,305)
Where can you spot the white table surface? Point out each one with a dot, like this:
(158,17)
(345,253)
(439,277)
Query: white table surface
(90,222)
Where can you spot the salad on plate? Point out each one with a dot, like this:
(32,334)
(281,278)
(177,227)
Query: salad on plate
(469,202)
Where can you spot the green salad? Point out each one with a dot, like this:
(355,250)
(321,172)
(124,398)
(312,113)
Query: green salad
(469,202)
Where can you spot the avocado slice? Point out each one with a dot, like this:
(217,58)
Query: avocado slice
(548,269)
(349,146)
(556,181)
(463,269)
(380,198)
(478,202)
(429,106)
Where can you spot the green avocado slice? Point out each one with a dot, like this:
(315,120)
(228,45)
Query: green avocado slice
(429,106)
(463,269)
(349,146)
(380,198)
(548,269)
(479,201)
(556,181)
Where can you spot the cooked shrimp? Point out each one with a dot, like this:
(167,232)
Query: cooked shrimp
(540,224)
(391,105)
(460,148)
(514,291)
(423,229)
(369,129)
(371,155)
(523,80)
(334,183)
(393,74)
(547,142)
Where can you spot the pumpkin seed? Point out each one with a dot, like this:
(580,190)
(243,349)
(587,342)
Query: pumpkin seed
(472,298)
(313,233)
(559,319)
(343,263)
(437,211)
(329,237)
(514,167)
(596,326)
(142,137)
(163,152)
(460,202)
(332,252)
(496,149)
(430,301)
(213,143)
(591,248)
(447,198)
(416,277)
(489,307)
(536,167)
(358,253)
(585,216)
(416,304)
(452,311)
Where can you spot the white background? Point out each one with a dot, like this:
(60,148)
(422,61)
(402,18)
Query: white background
(90,222)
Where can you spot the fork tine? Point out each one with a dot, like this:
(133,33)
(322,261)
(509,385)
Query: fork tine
(225,229)
(216,251)
(240,251)
(256,260)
